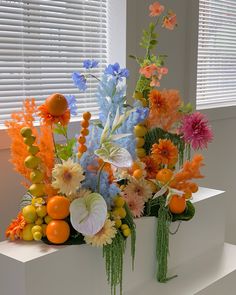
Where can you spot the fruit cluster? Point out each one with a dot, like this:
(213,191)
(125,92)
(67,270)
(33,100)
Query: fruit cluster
(37,188)
(84,132)
(119,213)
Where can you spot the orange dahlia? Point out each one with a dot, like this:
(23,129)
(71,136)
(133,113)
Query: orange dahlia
(165,152)
(49,119)
(15,228)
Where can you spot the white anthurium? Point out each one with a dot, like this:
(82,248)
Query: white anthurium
(119,136)
(115,155)
(105,132)
(160,192)
(120,119)
(88,214)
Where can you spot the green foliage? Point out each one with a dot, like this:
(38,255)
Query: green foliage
(129,220)
(143,84)
(65,151)
(114,254)
(155,134)
(149,38)
(60,129)
(187,215)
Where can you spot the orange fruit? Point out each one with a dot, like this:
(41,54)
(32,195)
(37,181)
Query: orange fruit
(56,104)
(177,204)
(164,175)
(82,148)
(193,187)
(84,132)
(58,207)
(138,173)
(58,231)
(187,193)
(81,139)
(84,124)
(87,116)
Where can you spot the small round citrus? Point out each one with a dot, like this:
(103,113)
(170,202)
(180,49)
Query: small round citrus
(193,187)
(119,201)
(41,211)
(138,173)
(119,212)
(39,221)
(29,140)
(81,139)
(140,142)
(37,236)
(82,148)
(29,213)
(140,130)
(58,231)
(27,233)
(56,104)
(26,131)
(140,152)
(36,228)
(37,189)
(124,226)
(58,207)
(47,219)
(84,124)
(164,175)
(126,232)
(177,204)
(87,116)
(118,223)
(84,131)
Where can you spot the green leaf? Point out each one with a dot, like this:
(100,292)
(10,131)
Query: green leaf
(114,154)
(61,130)
(98,123)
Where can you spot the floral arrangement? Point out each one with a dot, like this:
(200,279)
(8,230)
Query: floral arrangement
(133,161)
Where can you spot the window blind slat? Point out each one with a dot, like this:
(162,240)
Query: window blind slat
(42,42)
(216,70)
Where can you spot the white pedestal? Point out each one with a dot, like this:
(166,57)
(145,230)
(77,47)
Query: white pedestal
(30,268)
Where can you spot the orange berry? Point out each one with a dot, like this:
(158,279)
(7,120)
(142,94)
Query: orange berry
(84,124)
(138,173)
(177,204)
(87,116)
(58,207)
(164,175)
(56,104)
(135,166)
(187,193)
(57,231)
(82,148)
(84,132)
(193,187)
(82,139)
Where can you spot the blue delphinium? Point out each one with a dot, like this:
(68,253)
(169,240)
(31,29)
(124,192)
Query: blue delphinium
(71,100)
(90,63)
(79,81)
(116,71)
(110,95)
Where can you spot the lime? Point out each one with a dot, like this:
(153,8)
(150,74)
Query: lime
(119,202)
(32,162)
(29,140)
(39,221)
(36,228)
(140,130)
(126,232)
(33,149)
(36,176)
(37,236)
(140,142)
(140,152)
(26,132)
(118,223)
(41,211)
(47,219)
(124,226)
(37,189)
(26,233)
(29,213)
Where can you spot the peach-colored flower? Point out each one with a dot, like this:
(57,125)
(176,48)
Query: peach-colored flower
(155,82)
(170,21)
(156,9)
(135,203)
(148,71)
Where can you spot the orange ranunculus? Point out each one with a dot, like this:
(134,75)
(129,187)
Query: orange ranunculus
(15,228)
(49,119)
(165,152)
(151,166)
(170,21)
(156,9)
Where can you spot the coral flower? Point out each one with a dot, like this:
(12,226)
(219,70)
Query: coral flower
(170,21)
(196,130)
(151,166)
(104,236)
(156,9)
(148,71)
(165,152)
(15,228)
(140,188)
(158,102)
(49,119)
(135,204)
(67,177)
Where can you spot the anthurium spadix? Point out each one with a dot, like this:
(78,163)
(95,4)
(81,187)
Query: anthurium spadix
(88,214)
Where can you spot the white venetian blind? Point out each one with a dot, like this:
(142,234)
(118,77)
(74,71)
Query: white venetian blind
(42,42)
(216,70)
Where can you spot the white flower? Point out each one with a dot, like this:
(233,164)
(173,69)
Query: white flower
(67,177)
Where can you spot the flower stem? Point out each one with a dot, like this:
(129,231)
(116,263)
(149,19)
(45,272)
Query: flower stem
(99,176)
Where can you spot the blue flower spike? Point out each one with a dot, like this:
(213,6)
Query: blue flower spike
(90,64)
(116,71)
(79,81)
(71,100)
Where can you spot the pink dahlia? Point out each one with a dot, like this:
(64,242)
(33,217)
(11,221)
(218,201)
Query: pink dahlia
(196,130)
(135,203)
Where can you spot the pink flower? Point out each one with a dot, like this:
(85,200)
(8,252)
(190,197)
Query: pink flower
(135,203)
(170,21)
(156,9)
(196,130)
(155,82)
(148,71)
